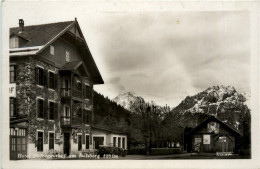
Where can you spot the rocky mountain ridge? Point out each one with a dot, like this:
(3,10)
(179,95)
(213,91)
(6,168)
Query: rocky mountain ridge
(127,100)
(223,102)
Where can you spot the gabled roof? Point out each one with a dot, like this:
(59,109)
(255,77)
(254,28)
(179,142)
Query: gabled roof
(213,118)
(44,35)
(39,35)
(71,65)
(74,65)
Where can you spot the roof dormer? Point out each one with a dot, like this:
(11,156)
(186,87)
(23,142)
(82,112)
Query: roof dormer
(14,42)
(19,37)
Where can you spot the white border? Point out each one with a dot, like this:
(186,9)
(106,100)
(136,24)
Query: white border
(140,6)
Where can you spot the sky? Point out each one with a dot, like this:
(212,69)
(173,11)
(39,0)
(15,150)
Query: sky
(161,56)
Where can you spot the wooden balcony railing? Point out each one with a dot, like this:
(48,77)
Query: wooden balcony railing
(65,92)
(70,92)
(68,121)
(76,93)
(65,120)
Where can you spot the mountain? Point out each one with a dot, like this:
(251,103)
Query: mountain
(128,100)
(224,102)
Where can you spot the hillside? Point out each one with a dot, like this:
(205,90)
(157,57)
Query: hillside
(109,114)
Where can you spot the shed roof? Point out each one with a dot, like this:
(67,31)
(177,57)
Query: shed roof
(108,130)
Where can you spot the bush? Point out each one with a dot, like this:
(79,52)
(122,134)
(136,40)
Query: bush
(140,151)
(165,151)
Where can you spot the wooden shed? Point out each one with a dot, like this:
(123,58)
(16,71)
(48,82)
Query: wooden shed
(212,136)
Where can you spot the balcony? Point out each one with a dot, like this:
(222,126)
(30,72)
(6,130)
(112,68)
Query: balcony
(70,121)
(70,93)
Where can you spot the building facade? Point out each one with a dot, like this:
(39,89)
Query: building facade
(52,74)
(213,136)
(101,136)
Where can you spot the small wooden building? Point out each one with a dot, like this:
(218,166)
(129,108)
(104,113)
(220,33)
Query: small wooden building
(212,136)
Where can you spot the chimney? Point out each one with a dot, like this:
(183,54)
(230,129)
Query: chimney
(21,25)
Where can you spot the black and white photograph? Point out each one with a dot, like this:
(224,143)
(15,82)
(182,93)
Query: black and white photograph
(155,84)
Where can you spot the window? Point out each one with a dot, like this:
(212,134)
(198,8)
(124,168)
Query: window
(51,110)
(123,143)
(206,139)
(66,88)
(86,116)
(79,142)
(67,111)
(25,105)
(67,56)
(88,92)
(79,85)
(14,42)
(40,108)
(51,80)
(51,141)
(40,141)
(98,141)
(12,107)
(40,77)
(222,139)
(66,115)
(87,141)
(52,50)
(12,73)
(114,141)
(119,141)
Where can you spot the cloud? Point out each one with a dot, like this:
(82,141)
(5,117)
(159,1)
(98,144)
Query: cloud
(165,56)
(140,75)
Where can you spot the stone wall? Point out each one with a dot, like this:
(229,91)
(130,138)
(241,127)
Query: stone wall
(27,92)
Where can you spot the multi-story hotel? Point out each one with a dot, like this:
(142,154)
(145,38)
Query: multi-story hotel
(52,73)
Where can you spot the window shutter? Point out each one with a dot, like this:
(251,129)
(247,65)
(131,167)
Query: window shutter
(36,75)
(89,117)
(45,109)
(15,107)
(84,116)
(55,81)
(15,73)
(37,107)
(83,90)
(88,89)
(45,80)
(56,111)
(91,92)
